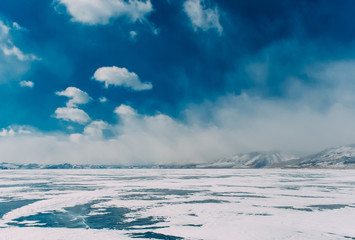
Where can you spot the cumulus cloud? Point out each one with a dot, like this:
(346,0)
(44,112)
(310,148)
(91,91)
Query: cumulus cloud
(25,83)
(94,12)
(95,129)
(125,111)
(120,77)
(72,114)
(75,95)
(201,16)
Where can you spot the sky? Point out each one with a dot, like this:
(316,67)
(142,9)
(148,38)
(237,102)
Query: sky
(173,81)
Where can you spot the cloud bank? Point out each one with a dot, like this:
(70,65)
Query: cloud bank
(236,123)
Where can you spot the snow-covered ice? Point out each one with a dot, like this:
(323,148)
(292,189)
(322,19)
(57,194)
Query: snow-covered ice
(191,204)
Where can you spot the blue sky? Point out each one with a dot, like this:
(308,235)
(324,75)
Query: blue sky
(114,81)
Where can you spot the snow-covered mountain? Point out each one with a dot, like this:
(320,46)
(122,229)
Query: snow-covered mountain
(5,165)
(338,157)
(250,160)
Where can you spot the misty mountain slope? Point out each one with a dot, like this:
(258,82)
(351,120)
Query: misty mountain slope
(250,160)
(338,157)
(10,166)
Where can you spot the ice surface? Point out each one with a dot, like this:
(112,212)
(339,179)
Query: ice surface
(177,204)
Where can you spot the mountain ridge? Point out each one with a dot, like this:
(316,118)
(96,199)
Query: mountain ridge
(335,157)
(342,157)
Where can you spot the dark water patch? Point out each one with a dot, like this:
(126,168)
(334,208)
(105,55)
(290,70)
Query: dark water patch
(296,209)
(205,176)
(301,196)
(76,187)
(205,201)
(130,178)
(246,186)
(328,187)
(262,187)
(165,192)
(10,205)
(148,228)
(297,180)
(78,217)
(153,235)
(228,194)
(263,214)
(115,219)
(248,196)
(257,214)
(193,225)
(322,207)
(193,177)
(11,185)
(238,195)
(296,188)
(346,237)
(53,219)
(46,187)
(304,176)
(139,196)
(225,176)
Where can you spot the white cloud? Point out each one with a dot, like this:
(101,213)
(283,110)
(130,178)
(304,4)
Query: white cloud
(103,99)
(28,84)
(7,46)
(7,132)
(72,114)
(17,26)
(13,61)
(133,35)
(201,16)
(11,50)
(15,131)
(95,129)
(75,95)
(120,77)
(93,12)
(125,110)
(94,132)
(4,31)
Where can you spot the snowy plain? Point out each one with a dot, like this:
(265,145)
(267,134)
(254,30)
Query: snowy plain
(194,204)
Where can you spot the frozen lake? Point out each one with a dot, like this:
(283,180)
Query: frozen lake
(177,204)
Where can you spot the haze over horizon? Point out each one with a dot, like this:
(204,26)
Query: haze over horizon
(137,82)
